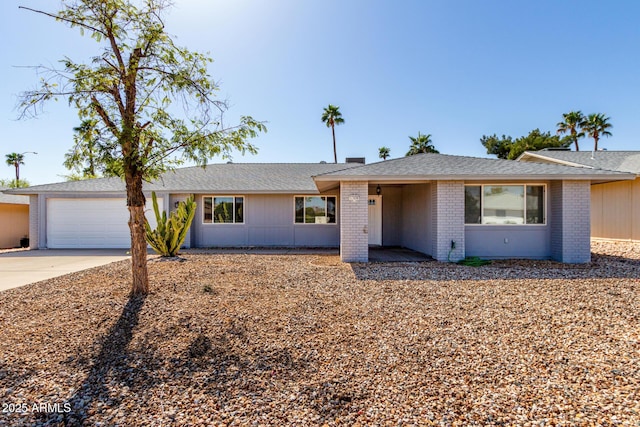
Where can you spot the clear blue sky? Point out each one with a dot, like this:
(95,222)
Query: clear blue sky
(454,69)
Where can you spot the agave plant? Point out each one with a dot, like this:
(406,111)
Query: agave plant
(170,233)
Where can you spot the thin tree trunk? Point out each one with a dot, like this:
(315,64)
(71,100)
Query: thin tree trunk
(335,153)
(575,140)
(136,203)
(595,139)
(18,173)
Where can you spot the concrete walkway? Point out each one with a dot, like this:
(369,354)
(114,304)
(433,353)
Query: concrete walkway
(24,267)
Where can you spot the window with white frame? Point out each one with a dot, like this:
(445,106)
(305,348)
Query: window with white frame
(223,209)
(513,204)
(315,209)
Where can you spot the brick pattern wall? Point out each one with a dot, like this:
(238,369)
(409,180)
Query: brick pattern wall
(34,223)
(447,199)
(571,221)
(576,226)
(354,221)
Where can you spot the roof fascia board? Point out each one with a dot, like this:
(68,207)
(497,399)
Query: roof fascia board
(428,178)
(551,159)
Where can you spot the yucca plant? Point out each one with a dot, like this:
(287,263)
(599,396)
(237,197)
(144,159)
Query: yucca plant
(168,236)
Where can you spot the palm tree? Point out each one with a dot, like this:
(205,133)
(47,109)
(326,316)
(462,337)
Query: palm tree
(333,117)
(83,157)
(573,122)
(597,125)
(421,144)
(383,152)
(15,160)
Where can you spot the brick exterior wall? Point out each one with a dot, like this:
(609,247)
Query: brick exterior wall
(354,221)
(34,222)
(447,200)
(570,213)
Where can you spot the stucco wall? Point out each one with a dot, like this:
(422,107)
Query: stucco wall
(416,218)
(14,224)
(268,221)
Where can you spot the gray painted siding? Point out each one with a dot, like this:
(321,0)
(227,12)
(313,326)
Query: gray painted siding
(269,221)
(515,241)
(416,218)
(391,214)
(508,241)
(555,212)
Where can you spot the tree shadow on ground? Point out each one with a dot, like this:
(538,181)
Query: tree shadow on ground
(112,357)
(131,373)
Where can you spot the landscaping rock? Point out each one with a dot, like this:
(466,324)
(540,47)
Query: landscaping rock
(271,340)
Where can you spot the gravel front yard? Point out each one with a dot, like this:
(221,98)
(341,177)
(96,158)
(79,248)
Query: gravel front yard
(307,340)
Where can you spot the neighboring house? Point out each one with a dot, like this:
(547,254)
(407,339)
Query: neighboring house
(445,206)
(615,206)
(14,219)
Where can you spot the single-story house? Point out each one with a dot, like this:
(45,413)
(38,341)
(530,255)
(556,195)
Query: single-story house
(615,206)
(445,206)
(14,219)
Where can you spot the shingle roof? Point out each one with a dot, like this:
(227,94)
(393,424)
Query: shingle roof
(622,161)
(219,177)
(442,166)
(12,198)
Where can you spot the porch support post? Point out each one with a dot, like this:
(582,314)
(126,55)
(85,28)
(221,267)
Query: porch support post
(570,216)
(354,221)
(447,199)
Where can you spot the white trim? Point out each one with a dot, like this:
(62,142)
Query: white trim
(244,209)
(325,208)
(524,224)
(552,160)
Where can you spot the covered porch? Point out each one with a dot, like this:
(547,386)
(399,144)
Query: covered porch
(420,202)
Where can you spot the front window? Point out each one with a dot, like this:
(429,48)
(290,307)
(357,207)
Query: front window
(223,209)
(504,204)
(315,210)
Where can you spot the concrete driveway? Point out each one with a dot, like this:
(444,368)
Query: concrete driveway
(24,267)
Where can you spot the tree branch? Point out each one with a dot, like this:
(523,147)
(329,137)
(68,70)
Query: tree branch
(104,116)
(70,21)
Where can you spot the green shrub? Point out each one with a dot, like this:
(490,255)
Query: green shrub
(168,236)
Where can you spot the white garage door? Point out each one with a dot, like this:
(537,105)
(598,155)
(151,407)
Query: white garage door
(90,223)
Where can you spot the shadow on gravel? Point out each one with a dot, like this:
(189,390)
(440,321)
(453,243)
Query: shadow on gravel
(600,267)
(112,358)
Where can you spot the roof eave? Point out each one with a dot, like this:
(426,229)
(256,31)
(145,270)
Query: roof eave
(553,160)
(476,177)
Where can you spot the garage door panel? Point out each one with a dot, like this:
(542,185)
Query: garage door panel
(89,223)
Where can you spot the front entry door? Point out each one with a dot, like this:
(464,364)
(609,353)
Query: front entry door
(375,220)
